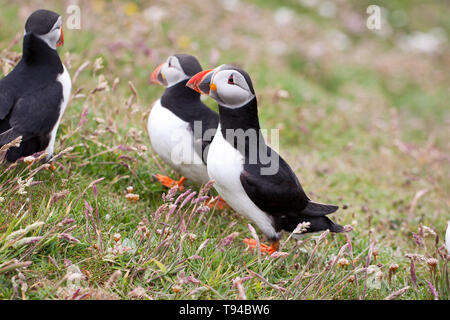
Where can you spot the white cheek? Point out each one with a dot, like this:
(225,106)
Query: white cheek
(233,95)
(173,76)
(51,38)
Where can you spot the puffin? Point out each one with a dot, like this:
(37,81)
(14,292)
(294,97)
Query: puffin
(251,177)
(34,95)
(180,125)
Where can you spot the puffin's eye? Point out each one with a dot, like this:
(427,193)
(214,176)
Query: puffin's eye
(231,79)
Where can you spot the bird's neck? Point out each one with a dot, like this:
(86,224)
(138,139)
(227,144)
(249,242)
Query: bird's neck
(179,96)
(245,117)
(37,53)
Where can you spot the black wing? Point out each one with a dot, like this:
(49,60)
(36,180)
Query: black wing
(37,113)
(277,194)
(6,103)
(281,193)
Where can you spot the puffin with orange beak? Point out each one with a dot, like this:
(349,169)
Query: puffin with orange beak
(251,177)
(180,125)
(34,95)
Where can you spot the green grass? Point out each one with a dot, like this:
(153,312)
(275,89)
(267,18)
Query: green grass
(365,128)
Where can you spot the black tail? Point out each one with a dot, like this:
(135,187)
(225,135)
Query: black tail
(316,224)
(314,209)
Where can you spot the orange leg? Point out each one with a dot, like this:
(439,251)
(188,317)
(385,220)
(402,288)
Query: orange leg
(169,182)
(265,249)
(216,202)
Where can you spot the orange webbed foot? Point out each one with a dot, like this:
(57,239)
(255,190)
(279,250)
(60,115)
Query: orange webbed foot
(216,202)
(169,182)
(265,249)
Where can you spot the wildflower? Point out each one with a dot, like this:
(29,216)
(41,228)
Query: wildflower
(176,288)
(432,263)
(130,189)
(117,237)
(393,268)
(143,148)
(192,237)
(29,160)
(2,199)
(343,262)
(351,279)
(165,230)
(131,197)
(375,253)
(142,231)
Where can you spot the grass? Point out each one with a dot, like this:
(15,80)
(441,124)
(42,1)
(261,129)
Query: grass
(364,127)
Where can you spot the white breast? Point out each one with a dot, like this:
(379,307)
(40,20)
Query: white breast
(225,165)
(64,79)
(173,141)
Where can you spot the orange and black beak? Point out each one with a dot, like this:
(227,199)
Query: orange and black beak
(60,42)
(157,76)
(201,82)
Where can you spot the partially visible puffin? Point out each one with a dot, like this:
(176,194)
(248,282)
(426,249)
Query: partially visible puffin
(34,95)
(273,200)
(180,125)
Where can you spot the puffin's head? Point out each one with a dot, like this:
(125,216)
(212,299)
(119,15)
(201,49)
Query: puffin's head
(46,25)
(177,68)
(229,85)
